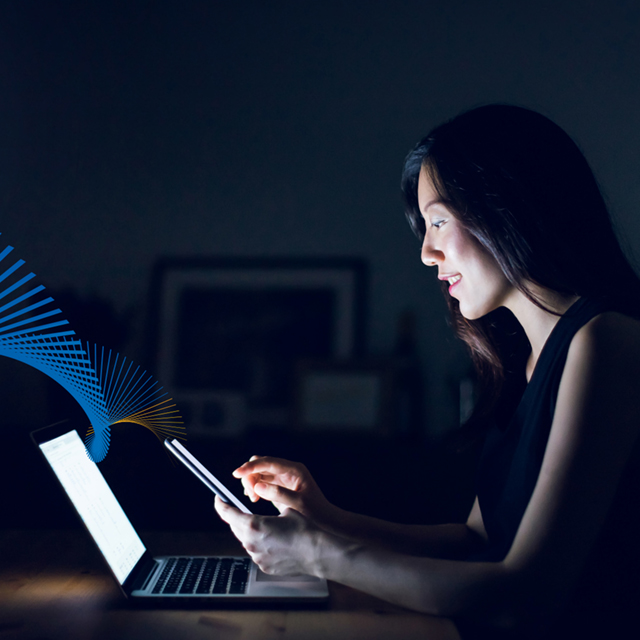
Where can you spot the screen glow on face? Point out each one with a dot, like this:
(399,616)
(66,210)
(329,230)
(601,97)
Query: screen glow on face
(93,499)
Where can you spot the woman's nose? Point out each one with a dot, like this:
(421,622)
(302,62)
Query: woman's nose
(430,255)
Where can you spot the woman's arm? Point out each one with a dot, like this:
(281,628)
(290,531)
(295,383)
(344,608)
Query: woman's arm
(453,540)
(290,544)
(290,485)
(594,431)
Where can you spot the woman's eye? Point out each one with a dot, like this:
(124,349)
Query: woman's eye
(437,223)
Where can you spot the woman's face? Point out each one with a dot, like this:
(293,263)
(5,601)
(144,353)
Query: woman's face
(475,278)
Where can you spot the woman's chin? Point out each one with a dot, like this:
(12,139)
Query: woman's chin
(472,313)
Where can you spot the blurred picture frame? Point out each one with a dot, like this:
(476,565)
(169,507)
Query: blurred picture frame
(345,396)
(240,326)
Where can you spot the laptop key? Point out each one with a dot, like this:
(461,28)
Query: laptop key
(190,580)
(163,576)
(240,576)
(209,571)
(176,577)
(203,576)
(222,578)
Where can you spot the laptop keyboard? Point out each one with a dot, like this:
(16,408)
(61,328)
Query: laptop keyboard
(203,576)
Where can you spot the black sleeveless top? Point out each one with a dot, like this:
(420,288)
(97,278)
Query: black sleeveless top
(508,470)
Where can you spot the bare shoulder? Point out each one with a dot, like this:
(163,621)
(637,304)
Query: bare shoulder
(601,379)
(611,338)
(613,323)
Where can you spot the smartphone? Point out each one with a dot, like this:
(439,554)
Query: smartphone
(203,474)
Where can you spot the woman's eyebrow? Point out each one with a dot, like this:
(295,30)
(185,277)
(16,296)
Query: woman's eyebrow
(430,204)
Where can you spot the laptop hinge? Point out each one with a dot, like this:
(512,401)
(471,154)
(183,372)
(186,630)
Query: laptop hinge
(151,574)
(143,577)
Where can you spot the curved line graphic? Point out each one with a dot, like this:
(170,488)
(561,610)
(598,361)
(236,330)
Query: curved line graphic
(108,391)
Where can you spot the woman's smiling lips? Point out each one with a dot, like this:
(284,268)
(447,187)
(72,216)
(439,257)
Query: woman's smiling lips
(453,280)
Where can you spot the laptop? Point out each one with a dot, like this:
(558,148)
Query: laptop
(143,578)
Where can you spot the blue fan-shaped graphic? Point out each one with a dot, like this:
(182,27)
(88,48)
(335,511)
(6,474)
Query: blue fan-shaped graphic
(108,390)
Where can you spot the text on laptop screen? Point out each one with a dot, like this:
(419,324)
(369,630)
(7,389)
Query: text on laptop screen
(95,502)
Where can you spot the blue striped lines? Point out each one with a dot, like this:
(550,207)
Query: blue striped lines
(108,389)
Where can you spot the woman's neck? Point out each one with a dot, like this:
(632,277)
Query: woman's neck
(539,323)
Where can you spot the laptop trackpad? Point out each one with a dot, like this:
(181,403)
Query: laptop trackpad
(261,576)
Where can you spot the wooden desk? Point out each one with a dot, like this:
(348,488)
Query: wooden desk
(53,584)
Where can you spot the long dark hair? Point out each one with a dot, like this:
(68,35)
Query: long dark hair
(521,186)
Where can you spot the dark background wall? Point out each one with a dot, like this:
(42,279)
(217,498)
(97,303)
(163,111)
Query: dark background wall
(134,130)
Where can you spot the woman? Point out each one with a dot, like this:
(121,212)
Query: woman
(510,214)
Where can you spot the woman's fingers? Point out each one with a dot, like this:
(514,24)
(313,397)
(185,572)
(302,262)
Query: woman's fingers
(278,494)
(268,470)
(247,528)
(285,484)
(227,512)
(249,482)
(277,544)
(239,522)
(265,464)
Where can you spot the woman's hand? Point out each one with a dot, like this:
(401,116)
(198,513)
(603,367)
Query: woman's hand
(288,485)
(280,545)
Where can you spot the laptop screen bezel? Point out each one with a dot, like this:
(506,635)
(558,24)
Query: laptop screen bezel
(146,562)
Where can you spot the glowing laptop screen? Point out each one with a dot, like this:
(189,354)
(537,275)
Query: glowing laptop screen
(93,499)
